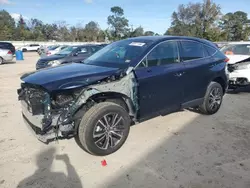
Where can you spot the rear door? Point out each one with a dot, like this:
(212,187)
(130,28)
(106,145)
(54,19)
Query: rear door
(197,73)
(160,80)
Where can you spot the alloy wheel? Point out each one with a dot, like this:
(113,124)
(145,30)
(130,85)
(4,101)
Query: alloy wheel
(109,131)
(215,98)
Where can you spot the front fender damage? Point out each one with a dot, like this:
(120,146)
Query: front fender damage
(62,122)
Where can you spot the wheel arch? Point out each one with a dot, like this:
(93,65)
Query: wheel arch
(115,97)
(222,82)
(118,98)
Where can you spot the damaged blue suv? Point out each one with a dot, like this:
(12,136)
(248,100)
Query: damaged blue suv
(126,82)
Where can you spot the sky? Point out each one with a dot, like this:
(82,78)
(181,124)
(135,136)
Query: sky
(154,15)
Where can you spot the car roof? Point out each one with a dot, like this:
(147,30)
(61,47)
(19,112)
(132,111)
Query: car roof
(157,39)
(6,43)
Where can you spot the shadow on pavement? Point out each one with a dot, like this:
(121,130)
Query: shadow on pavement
(43,177)
(239,90)
(201,154)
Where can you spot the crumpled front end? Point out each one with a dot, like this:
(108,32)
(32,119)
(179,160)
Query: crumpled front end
(56,115)
(239,73)
(41,116)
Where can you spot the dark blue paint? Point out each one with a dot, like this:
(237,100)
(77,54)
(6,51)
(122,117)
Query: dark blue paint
(69,75)
(159,88)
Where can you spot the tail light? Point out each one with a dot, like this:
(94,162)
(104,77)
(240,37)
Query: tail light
(226,60)
(9,52)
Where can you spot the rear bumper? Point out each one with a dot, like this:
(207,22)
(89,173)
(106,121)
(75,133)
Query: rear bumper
(8,58)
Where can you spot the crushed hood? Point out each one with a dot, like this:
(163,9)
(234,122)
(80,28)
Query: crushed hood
(68,76)
(237,58)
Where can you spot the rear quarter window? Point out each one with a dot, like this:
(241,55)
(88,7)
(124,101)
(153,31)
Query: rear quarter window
(191,50)
(210,50)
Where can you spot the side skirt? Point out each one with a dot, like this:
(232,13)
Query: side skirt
(193,103)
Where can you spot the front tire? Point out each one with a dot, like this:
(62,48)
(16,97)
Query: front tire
(24,50)
(213,99)
(104,128)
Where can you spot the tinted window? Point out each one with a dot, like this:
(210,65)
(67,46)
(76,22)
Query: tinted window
(67,50)
(82,50)
(95,48)
(211,51)
(163,54)
(191,50)
(63,47)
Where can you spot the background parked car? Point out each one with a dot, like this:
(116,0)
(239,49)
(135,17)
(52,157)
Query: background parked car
(30,47)
(68,55)
(43,49)
(55,49)
(5,56)
(7,45)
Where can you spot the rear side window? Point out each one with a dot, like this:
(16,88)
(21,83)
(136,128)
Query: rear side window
(211,51)
(191,50)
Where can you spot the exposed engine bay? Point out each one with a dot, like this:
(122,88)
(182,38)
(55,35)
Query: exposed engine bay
(55,115)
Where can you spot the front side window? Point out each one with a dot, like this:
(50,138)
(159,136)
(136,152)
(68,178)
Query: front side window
(163,54)
(191,50)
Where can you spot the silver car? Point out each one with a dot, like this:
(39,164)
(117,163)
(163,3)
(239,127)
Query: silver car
(5,56)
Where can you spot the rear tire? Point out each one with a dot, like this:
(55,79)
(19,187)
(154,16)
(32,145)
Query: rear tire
(104,128)
(24,50)
(213,99)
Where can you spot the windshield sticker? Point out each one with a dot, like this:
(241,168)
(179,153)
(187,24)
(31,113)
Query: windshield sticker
(137,44)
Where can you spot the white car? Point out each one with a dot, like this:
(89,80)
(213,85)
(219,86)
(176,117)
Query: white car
(5,56)
(30,47)
(55,49)
(238,64)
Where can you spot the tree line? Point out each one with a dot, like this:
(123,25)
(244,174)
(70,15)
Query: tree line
(203,20)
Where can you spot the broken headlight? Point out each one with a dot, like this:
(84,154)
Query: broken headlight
(242,66)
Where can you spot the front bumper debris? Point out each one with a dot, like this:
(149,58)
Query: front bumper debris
(34,124)
(45,123)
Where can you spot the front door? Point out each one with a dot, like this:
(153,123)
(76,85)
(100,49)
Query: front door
(160,80)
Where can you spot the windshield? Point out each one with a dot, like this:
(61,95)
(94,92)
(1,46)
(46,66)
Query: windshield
(236,49)
(121,52)
(67,50)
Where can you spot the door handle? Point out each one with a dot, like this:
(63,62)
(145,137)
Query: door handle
(179,74)
(149,70)
(211,66)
